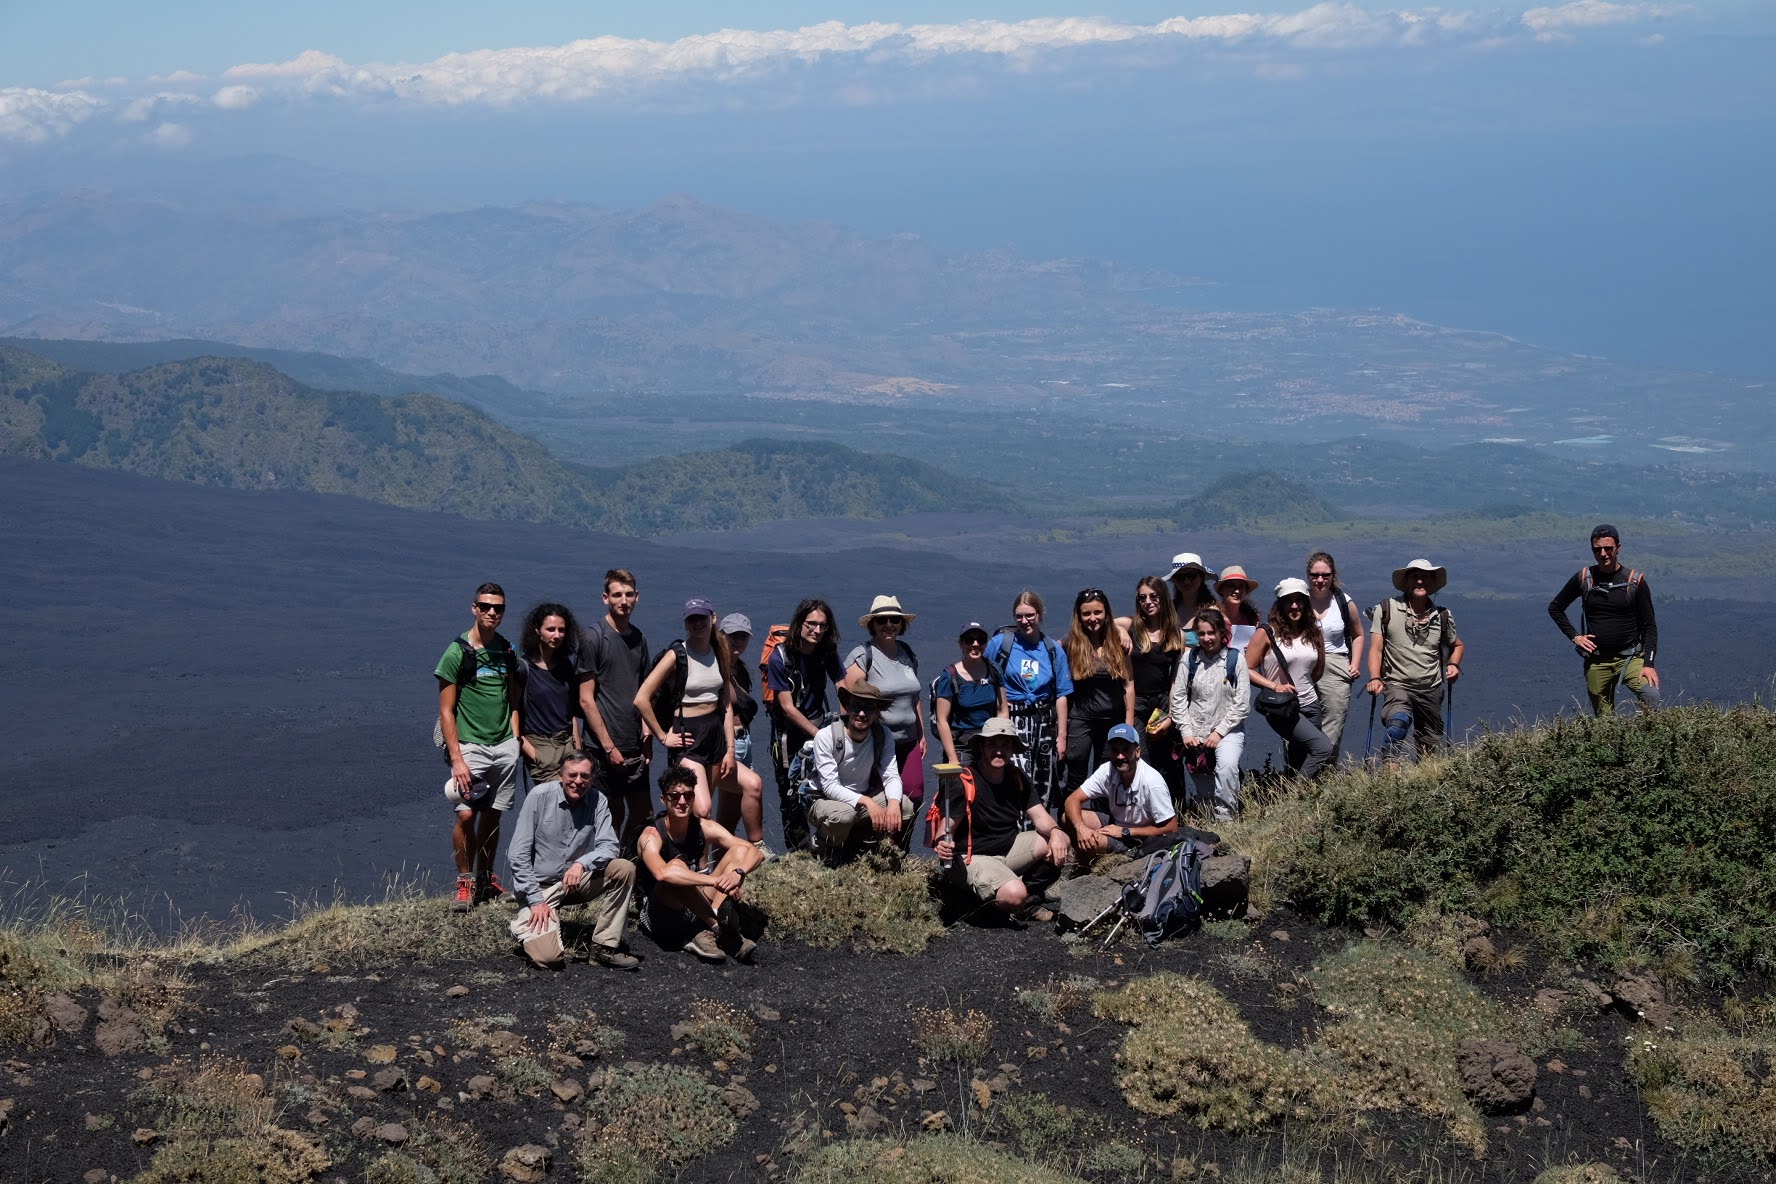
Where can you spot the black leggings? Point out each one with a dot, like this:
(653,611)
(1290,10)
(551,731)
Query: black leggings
(1087,742)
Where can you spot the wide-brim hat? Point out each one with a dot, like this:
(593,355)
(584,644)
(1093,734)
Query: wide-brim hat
(1439,575)
(1293,586)
(1187,559)
(1000,728)
(863,692)
(1235,574)
(886,606)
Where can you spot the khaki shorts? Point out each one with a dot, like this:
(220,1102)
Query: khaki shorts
(989,873)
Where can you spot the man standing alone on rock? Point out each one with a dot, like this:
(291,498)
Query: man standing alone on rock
(564,851)
(613,662)
(478,730)
(982,820)
(1415,657)
(1621,637)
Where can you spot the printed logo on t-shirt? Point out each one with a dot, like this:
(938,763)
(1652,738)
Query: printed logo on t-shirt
(1028,669)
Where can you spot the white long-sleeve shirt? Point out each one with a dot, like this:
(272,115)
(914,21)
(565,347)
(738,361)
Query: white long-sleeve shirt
(1211,704)
(842,765)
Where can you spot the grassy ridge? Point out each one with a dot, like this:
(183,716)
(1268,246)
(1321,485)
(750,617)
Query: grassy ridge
(241,424)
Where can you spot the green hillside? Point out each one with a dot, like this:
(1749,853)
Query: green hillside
(1254,501)
(244,425)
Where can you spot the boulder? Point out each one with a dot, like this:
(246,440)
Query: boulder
(388,1081)
(65,1016)
(1497,1075)
(1642,997)
(1084,897)
(119,1030)
(1226,882)
(526,1164)
(392,1132)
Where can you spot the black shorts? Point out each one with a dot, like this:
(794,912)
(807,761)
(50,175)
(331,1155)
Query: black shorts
(709,739)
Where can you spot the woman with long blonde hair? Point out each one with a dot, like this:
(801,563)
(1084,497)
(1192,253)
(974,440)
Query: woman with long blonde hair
(1103,687)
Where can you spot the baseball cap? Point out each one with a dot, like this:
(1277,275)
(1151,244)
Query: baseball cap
(1125,732)
(736,623)
(696,606)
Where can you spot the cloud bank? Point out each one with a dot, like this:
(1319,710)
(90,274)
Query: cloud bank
(616,67)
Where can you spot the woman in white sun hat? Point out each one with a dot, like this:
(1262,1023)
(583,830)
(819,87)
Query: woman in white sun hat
(889,664)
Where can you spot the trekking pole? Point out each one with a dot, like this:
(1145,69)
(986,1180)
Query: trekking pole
(1108,909)
(1120,922)
(1369,740)
(1449,716)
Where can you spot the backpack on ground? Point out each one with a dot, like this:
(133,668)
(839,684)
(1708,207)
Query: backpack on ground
(994,676)
(468,669)
(1166,900)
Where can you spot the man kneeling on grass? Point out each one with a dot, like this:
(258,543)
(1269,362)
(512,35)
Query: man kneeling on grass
(1124,808)
(685,906)
(565,852)
(986,825)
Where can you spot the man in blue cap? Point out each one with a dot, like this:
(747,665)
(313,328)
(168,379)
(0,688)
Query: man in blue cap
(1124,808)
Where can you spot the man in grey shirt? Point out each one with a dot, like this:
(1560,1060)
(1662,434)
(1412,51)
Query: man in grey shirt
(564,852)
(613,660)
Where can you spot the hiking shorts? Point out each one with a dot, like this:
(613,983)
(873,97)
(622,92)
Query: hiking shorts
(1601,679)
(989,873)
(709,740)
(493,777)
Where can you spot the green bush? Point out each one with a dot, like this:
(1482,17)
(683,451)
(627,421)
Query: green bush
(1610,837)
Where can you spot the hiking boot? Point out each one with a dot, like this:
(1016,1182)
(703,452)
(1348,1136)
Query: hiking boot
(1037,914)
(465,894)
(488,887)
(769,854)
(704,946)
(615,959)
(746,952)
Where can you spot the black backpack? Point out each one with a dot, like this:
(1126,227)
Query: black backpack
(669,697)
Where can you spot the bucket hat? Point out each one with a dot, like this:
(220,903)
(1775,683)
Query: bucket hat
(1439,575)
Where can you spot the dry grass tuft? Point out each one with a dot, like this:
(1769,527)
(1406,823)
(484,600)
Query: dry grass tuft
(1709,1090)
(273,1156)
(948,1036)
(1057,997)
(438,1152)
(870,901)
(405,928)
(649,1118)
(220,1126)
(718,1030)
(947,1158)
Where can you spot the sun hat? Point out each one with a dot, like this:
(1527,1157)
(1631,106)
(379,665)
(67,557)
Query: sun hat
(1125,732)
(1000,728)
(478,787)
(974,627)
(863,692)
(1236,574)
(1293,586)
(1439,575)
(1184,559)
(737,623)
(886,606)
(696,606)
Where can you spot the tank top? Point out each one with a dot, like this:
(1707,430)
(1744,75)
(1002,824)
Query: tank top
(1332,628)
(1153,671)
(691,851)
(1297,659)
(703,680)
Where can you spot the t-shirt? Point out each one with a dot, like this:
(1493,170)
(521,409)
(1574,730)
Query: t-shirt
(972,703)
(812,672)
(1029,678)
(619,662)
(1618,613)
(843,766)
(483,709)
(999,811)
(1411,649)
(1146,803)
(550,703)
(1294,661)
(898,679)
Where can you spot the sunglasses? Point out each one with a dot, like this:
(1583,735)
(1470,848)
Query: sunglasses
(973,640)
(1319,575)
(865,709)
(483,606)
(813,624)
(1605,550)
(1090,594)
(677,795)
(1147,598)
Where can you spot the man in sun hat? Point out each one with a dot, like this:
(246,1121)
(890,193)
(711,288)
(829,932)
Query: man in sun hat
(855,783)
(1416,655)
(1125,807)
(984,827)
(1621,636)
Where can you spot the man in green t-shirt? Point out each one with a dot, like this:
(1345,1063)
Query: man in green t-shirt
(478,719)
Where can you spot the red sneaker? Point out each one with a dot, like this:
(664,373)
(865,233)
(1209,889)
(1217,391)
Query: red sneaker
(465,894)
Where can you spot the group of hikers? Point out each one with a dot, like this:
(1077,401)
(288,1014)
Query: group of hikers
(1047,752)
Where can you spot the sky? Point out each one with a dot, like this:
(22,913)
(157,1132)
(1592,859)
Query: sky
(1592,175)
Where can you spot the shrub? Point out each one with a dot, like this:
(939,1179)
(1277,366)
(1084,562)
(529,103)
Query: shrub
(946,1035)
(870,901)
(272,1156)
(947,1158)
(405,928)
(718,1029)
(1609,837)
(1709,1091)
(650,1117)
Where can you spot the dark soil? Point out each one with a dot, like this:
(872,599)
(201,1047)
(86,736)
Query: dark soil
(833,1030)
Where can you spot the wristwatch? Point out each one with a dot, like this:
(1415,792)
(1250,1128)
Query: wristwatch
(1125,833)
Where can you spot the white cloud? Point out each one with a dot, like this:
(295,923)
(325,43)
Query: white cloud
(169,135)
(177,76)
(31,116)
(1549,23)
(235,98)
(148,106)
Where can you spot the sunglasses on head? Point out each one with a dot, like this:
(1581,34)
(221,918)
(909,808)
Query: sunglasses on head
(1090,594)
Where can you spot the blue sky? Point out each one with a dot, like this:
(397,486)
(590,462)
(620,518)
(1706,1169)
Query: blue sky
(1588,174)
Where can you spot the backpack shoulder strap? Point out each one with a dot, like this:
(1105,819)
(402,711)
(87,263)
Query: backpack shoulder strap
(467,668)
(1348,608)
(1232,670)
